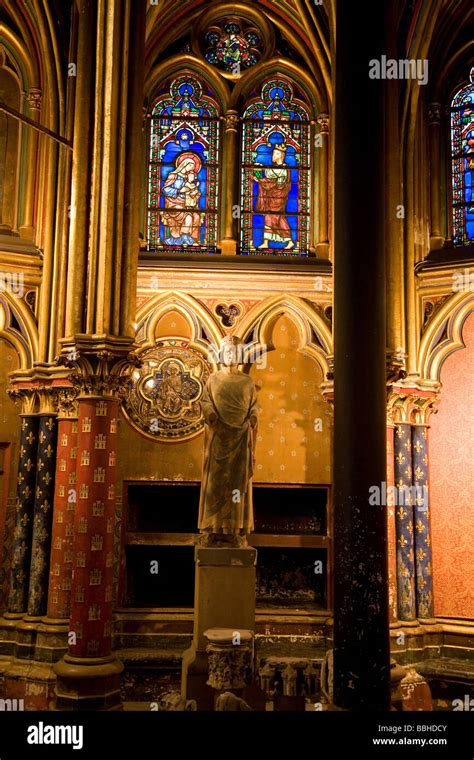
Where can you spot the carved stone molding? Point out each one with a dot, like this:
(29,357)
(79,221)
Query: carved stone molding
(396,366)
(67,403)
(435,112)
(411,406)
(104,372)
(230,658)
(323,123)
(34,98)
(26,397)
(232,121)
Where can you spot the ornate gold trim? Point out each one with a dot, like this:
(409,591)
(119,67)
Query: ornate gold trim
(451,316)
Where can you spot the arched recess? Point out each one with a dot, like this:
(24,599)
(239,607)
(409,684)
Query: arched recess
(204,328)
(14,315)
(186,100)
(254,77)
(443,335)
(180,63)
(314,333)
(10,144)
(301,27)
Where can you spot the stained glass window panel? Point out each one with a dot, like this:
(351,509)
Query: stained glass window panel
(233,45)
(276,191)
(183,169)
(462,156)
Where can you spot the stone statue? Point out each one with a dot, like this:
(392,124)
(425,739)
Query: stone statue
(229,404)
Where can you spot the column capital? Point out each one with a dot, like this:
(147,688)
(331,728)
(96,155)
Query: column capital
(411,406)
(67,403)
(396,365)
(435,112)
(99,368)
(24,396)
(231,120)
(34,98)
(323,123)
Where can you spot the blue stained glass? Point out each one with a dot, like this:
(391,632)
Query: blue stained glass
(184,151)
(276,173)
(462,162)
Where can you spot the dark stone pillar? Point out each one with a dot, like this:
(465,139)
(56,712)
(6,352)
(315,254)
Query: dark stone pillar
(404,523)
(421,510)
(43,515)
(21,552)
(361,628)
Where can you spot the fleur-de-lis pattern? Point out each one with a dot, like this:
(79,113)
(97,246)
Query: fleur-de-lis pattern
(91,609)
(404,526)
(392,555)
(43,515)
(22,533)
(65,497)
(424,581)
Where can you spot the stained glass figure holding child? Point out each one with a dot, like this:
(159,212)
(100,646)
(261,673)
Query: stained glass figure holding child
(181,196)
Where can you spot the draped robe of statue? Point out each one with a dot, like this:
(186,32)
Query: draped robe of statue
(273,189)
(226,488)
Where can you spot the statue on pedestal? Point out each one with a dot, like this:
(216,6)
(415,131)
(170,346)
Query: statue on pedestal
(229,404)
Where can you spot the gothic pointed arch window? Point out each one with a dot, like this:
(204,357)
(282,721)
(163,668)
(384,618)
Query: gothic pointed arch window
(275,184)
(462,163)
(182,202)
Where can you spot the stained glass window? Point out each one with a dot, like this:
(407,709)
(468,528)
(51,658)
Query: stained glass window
(462,156)
(183,168)
(233,46)
(276,190)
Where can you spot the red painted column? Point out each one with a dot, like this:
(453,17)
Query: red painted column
(91,598)
(88,677)
(65,498)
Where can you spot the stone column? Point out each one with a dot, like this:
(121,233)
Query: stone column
(23,530)
(229,240)
(99,332)
(361,634)
(423,560)
(391,532)
(65,498)
(43,510)
(404,523)
(89,674)
(434,119)
(33,98)
(51,640)
(322,212)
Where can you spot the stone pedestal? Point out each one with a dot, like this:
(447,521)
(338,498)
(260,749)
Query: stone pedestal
(224,597)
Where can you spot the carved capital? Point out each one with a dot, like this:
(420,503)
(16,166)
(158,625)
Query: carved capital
(230,667)
(231,121)
(395,366)
(411,406)
(99,368)
(34,98)
(104,374)
(435,112)
(67,403)
(323,123)
(26,397)
(48,399)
